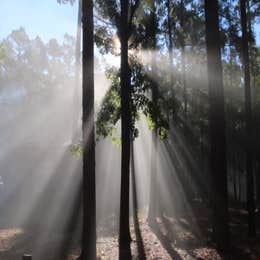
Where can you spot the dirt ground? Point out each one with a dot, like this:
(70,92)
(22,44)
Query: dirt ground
(186,237)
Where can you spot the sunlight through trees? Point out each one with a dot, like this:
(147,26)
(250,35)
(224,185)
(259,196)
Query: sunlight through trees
(135,136)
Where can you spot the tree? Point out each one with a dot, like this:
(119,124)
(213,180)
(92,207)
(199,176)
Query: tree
(88,127)
(124,232)
(217,127)
(88,130)
(154,201)
(75,134)
(121,15)
(248,115)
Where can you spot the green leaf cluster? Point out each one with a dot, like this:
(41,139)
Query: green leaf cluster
(110,111)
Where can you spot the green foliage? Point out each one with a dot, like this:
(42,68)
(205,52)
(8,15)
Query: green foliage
(110,111)
(76,149)
(109,10)
(103,39)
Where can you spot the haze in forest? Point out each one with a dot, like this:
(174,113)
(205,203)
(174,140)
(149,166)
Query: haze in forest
(171,116)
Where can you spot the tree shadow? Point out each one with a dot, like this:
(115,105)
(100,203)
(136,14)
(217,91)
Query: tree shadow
(56,234)
(166,243)
(139,239)
(72,225)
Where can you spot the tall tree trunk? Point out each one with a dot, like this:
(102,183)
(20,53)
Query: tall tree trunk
(154,198)
(124,232)
(138,235)
(154,192)
(251,55)
(89,189)
(170,48)
(76,98)
(218,164)
(183,62)
(183,66)
(169,25)
(239,179)
(233,168)
(258,185)
(248,111)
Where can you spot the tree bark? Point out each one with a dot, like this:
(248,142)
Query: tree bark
(124,232)
(169,25)
(251,55)
(248,112)
(218,164)
(89,190)
(154,192)
(183,63)
(258,185)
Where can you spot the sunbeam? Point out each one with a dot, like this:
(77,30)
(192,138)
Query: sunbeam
(132,136)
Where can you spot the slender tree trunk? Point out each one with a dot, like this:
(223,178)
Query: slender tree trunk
(154,189)
(183,62)
(139,240)
(76,98)
(258,185)
(248,110)
(89,190)
(218,164)
(183,65)
(251,55)
(169,25)
(234,178)
(154,192)
(124,232)
(231,66)
(239,181)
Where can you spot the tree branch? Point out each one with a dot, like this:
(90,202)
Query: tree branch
(133,9)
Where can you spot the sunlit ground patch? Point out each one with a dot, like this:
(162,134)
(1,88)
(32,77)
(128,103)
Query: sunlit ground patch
(8,237)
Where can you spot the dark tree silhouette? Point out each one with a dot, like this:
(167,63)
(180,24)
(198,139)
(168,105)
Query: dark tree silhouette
(217,136)
(124,232)
(154,200)
(248,110)
(89,196)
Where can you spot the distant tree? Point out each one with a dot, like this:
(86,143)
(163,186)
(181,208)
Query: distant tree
(169,25)
(248,115)
(75,134)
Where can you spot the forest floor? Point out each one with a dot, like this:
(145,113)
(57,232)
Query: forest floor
(185,237)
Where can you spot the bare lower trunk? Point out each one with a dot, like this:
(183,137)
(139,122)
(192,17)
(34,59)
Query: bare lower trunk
(89,185)
(124,232)
(218,165)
